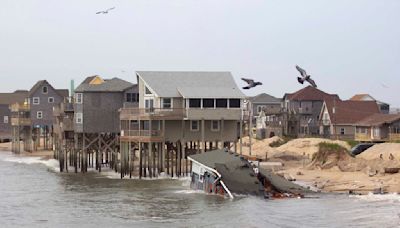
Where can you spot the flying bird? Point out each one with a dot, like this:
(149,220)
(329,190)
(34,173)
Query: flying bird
(251,83)
(105,11)
(305,77)
(384,86)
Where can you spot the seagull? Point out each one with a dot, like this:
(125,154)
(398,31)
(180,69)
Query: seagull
(384,86)
(251,83)
(305,77)
(105,11)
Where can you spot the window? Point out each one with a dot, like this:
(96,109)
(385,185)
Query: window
(51,99)
(208,103)
(194,103)
(234,103)
(260,108)
(78,98)
(147,91)
(166,103)
(214,125)
(44,90)
(5,119)
(132,97)
(79,118)
(194,125)
(222,103)
(342,132)
(36,100)
(39,115)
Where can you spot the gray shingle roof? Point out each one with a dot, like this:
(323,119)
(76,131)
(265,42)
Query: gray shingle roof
(265,98)
(109,85)
(61,92)
(11,98)
(191,84)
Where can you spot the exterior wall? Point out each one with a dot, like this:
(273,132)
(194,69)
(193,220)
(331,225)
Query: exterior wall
(349,131)
(134,90)
(5,128)
(270,108)
(173,131)
(44,106)
(100,112)
(307,114)
(214,114)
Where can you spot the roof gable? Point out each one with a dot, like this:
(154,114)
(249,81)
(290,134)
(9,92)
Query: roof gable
(191,84)
(310,93)
(350,112)
(265,98)
(108,85)
(42,83)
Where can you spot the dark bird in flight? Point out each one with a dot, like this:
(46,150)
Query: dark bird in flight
(305,77)
(105,11)
(251,83)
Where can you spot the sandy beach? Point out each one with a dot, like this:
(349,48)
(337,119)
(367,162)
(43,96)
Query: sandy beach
(362,174)
(45,154)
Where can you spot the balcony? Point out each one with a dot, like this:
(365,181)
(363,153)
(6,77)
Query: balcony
(15,121)
(214,113)
(20,107)
(151,113)
(142,135)
(305,110)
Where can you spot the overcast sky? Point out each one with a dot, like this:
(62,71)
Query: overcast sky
(347,46)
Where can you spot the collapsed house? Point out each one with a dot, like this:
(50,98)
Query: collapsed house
(224,172)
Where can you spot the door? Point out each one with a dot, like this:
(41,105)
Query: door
(149,105)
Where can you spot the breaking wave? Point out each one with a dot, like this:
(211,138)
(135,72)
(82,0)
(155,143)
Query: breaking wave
(392,197)
(50,163)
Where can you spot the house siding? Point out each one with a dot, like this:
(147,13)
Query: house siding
(44,105)
(5,128)
(100,112)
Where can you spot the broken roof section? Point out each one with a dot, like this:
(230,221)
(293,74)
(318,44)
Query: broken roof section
(97,84)
(191,84)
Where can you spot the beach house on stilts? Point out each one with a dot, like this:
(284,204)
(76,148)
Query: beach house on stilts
(96,123)
(179,114)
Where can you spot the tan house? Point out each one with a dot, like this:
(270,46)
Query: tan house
(378,128)
(337,118)
(181,113)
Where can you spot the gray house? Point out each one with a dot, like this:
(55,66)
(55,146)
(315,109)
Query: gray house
(96,123)
(6,99)
(302,111)
(180,113)
(97,102)
(32,121)
(42,98)
(267,109)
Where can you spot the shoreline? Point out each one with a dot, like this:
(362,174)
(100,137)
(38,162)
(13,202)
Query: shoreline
(326,181)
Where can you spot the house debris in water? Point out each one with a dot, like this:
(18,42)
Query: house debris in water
(223,172)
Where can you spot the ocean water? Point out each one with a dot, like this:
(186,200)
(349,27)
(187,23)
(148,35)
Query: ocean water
(34,194)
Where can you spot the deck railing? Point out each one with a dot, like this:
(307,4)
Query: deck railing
(362,137)
(18,107)
(128,113)
(15,121)
(142,133)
